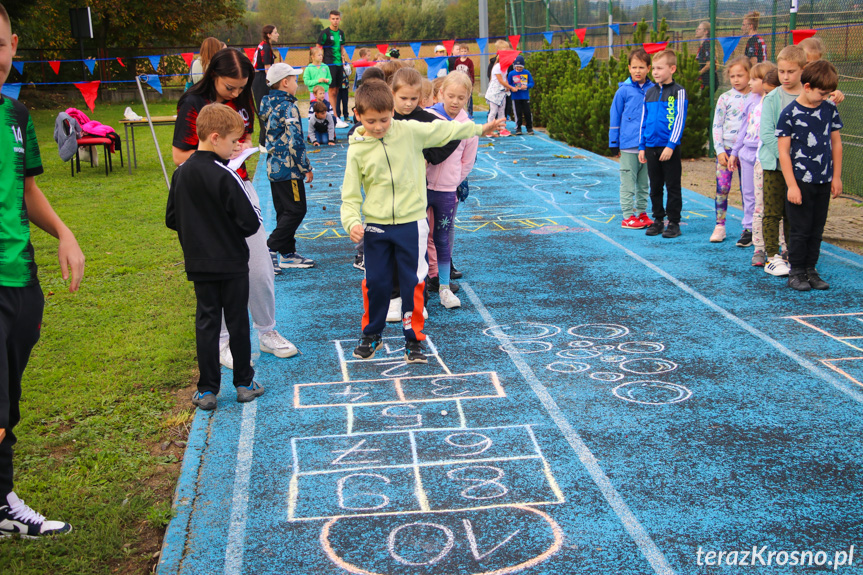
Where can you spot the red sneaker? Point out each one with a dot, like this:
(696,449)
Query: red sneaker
(632,223)
(505,132)
(644,219)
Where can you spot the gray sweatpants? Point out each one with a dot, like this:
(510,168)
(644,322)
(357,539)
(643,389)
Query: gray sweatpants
(262,294)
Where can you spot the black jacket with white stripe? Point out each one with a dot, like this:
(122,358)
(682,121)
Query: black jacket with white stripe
(212,214)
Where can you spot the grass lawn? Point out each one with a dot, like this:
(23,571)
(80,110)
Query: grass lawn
(102,391)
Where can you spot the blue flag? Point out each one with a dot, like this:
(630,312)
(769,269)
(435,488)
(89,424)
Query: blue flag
(350,51)
(729,44)
(584,54)
(435,65)
(155,60)
(548,36)
(615,28)
(483,44)
(11,90)
(19,66)
(152,80)
(91,64)
(416,46)
(283,52)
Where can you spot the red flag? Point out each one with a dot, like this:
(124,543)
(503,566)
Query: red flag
(89,90)
(187,58)
(448,44)
(121,61)
(579,32)
(382,48)
(250,53)
(55,65)
(654,47)
(514,40)
(506,57)
(799,35)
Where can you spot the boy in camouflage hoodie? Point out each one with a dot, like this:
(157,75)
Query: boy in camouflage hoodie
(287,164)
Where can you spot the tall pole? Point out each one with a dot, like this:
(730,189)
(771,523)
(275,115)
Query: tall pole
(483,33)
(610,33)
(656,16)
(575,14)
(792,24)
(522,19)
(547,9)
(713,85)
(773,33)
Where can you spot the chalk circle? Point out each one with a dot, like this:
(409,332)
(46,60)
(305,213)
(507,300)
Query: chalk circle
(604,347)
(648,366)
(652,392)
(523,330)
(529,346)
(641,347)
(580,343)
(612,358)
(577,353)
(606,376)
(378,537)
(598,331)
(568,366)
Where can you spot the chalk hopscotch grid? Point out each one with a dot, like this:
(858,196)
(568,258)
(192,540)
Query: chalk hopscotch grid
(846,339)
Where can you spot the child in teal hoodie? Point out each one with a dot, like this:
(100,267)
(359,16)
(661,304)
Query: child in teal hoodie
(385,161)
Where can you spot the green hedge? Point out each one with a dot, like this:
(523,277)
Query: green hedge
(574,103)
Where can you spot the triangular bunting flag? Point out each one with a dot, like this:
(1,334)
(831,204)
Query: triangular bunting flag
(349,49)
(483,44)
(416,46)
(188,57)
(579,33)
(654,47)
(585,55)
(250,53)
(548,36)
(283,52)
(89,90)
(91,64)
(435,65)
(55,65)
(513,40)
(155,61)
(505,58)
(448,44)
(729,44)
(18,66)
(153,81)
(11,90)
(382,48)
(120,60)
(799,35)
(615,28)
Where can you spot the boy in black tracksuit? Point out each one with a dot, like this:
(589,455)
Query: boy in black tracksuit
(662,121)
(213,216)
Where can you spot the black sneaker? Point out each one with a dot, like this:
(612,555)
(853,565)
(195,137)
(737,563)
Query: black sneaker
(655,228)
(414,352)
(799,282)
(530,132)
(360,262)
(206,400)
(815,281)
(672,231)
(16,518)
(745,239)
(369,344)
(246,393)
(518,131)
(454,273)
(433,285)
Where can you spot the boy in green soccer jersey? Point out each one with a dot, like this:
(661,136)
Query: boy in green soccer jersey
(21,301)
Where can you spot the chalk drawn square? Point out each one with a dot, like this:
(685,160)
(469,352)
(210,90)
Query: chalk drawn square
(478,385)
(838,326)
(404,416)
(335,453)
(490,484)
(392,367)
(340,393)
(850,367)
(474,444)
(352,493)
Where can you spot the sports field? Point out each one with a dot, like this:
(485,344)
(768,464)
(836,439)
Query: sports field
(603,402)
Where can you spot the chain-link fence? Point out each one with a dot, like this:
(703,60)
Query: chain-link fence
(839,25)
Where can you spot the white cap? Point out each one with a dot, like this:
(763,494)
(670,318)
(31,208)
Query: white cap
(279,72)
(439,48)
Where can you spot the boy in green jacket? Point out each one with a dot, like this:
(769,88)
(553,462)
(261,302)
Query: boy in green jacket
(385,160)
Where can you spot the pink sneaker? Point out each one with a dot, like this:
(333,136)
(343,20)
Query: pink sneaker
(632,223)
(645,220)
(505,132)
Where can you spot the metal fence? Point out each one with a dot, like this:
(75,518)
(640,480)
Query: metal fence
(839,25)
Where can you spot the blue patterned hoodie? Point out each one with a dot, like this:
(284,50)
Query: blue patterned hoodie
(286,149)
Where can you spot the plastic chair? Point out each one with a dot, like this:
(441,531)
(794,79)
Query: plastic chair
(96,141)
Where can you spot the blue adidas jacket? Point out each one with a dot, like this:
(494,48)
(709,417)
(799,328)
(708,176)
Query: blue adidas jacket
(663,117)
(286,149)
(625,129)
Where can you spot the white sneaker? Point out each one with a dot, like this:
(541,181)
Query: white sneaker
(17,518)
(272,342)
(776,266)
(448,299)
(718,234)
(341,123)
(226,358)
(425,313)
(394,313)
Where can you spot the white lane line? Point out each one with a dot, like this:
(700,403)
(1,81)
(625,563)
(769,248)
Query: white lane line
(239,505)
(630,522)
(840,385)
